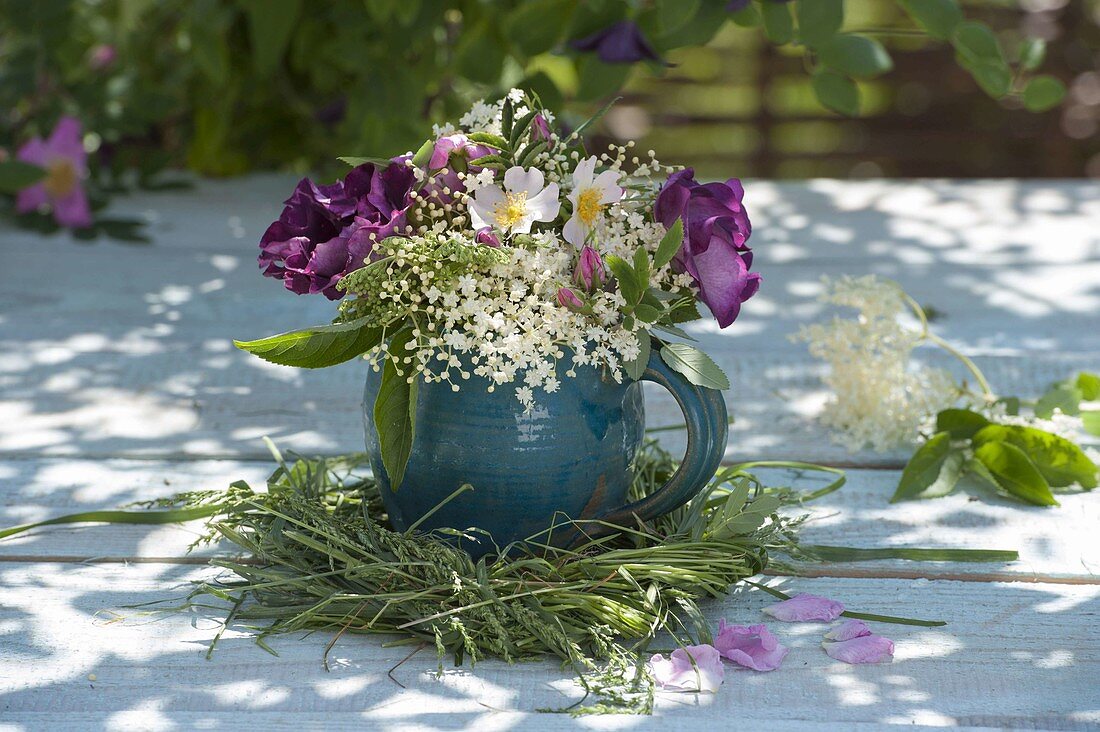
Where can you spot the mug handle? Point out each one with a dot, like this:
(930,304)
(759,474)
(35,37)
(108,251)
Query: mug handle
(707,432)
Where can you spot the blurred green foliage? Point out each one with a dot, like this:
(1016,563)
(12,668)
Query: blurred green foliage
(227,86)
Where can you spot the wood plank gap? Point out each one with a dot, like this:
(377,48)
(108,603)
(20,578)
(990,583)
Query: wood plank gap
(844,573)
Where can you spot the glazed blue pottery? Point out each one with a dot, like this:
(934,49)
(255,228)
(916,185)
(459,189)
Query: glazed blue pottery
(568,458)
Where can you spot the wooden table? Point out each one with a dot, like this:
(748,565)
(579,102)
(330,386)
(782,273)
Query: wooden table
(118,382)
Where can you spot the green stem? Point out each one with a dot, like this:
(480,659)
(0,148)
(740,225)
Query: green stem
(859,616)
(927,334)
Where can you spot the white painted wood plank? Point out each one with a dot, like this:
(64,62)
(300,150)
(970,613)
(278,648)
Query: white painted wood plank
(1013,656)
(1053,543)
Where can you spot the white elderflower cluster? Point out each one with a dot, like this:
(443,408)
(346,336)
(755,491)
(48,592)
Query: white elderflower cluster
(880,399)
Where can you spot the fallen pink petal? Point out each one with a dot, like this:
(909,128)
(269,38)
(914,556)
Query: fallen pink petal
(847,630)
(804,608)
(861,649)
(751,646)
(678,673)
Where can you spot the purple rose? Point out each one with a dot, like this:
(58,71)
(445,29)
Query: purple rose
(453,152)
(620,43)
(325,231)
(486,236)
(714,252)
(590,273)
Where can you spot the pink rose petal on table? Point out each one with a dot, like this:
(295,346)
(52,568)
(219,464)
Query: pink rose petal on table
(804,607)
(752,646)
(847,630)
(861,649)
(677,673)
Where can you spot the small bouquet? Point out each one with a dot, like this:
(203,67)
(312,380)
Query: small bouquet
(500,245)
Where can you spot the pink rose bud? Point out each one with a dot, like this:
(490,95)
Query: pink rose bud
(101,57)
(486,236)
(540,130)
(569,300)
(590,273)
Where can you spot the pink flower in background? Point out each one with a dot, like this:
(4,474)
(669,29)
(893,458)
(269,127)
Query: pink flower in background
(853,642)
(752,646)
(66,165)
(102,57)
(806,608)
(678,673)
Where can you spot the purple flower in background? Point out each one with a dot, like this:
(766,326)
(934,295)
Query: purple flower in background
(714,251)
(621,43)
(102,57)
(590,272)
(63,158)
(853,642)
(678,673)
(806,608)
(486,236)
(326,231)
(752,646)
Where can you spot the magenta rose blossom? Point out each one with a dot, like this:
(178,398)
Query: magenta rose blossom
(714,251)
(453,152)
(326,231)
(63,158)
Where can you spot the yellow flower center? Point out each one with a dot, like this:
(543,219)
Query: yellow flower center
(588,206)
(511,210)
(61,178)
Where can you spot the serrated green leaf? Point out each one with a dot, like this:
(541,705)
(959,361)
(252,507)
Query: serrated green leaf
(696,366)
(1090,420)
(923,468)
(1032,53)
(646,313)
(1089,386)
(859,57)
(1043,93)
(1015,473)
(484,138)
(15,175)
(395,412)
(819,20)
(685,313)
(1062,397)
(961,424)
(314,348)
(670,244)
(636,368)
(673,330)
(625,276)
(836,92)
(641,268)
(1061,462)
(778,25)
(939,18)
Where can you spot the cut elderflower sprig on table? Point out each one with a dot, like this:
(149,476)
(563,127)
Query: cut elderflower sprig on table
(505,251)
(881,400)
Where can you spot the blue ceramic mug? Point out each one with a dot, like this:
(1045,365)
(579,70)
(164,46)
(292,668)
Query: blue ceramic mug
(570,457)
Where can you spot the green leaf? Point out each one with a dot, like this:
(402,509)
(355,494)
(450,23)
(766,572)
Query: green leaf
(778,25)
(1089,386)
(596,117)
(747,17)
(495,141)
(627,279)
(836,92)
(15,175)
(976,42)
(819,20)
(647,313)
(939,18)
(1032,53)
(421,157)
(1043,93)
(1015,473)
(1066,399)
(1061,462)
(271,23)
(993,77)
(924,468)
(961,424)
(974,469)
(636,368)
(857,56)
(1090,420)
(696,366)
(395,412)
(914,554)
(314,348)
(479,55)
(356,162)
(597,80)
(672,15)
(641,268)
(685,312)
(526,157)
(521,126)
(535,26)
(670,244)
